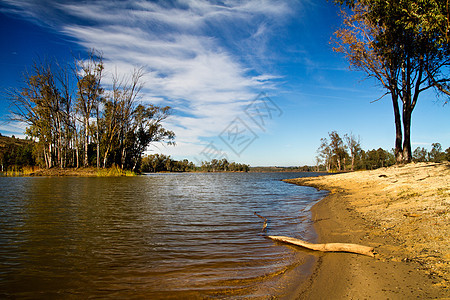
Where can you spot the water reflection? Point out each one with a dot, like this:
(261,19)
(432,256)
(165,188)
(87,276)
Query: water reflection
(161,236)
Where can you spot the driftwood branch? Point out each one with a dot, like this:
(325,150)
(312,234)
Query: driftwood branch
(265,221)
(330,247)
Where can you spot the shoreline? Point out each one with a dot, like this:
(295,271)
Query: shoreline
(69,172)
(351,213)
(110,172)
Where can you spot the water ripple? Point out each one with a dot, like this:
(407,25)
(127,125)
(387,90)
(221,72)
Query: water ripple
(160,236)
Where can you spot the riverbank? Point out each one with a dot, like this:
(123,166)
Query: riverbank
(74,172)
(401,211)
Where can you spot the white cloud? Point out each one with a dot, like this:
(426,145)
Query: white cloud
(182,49)
(13,128)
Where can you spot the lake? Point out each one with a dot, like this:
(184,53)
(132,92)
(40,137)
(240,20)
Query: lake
(189,235)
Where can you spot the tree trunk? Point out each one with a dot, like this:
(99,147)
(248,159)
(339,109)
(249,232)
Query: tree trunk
(50,160)
(398,151)
(45,156)
(123,158)
(98,139)
(77,150)
(105,159)
(86,142)
(407,138)
(98,151)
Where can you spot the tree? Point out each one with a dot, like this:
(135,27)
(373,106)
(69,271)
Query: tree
(436,154)
(147,128)
(420,155)
(39,103)
(89,76)
(432,16)
(353,143)
(324,154)
(128,127)
(447,154)
(338,150)
(395,43)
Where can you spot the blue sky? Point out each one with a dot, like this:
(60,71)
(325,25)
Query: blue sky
(254,81)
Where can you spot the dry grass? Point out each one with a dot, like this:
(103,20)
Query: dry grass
(83,172)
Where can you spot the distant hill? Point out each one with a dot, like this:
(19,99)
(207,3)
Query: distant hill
(15,153)
(6,141)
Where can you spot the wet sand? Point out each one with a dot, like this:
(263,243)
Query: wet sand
(404,213)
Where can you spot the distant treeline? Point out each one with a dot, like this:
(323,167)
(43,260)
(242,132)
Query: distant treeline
(337,153)
(284,169)
(164,163)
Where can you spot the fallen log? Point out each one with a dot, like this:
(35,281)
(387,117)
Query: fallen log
(329,247)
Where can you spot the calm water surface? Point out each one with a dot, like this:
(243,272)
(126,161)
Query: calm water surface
(155,236)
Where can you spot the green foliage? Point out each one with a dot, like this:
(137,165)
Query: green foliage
(163,163)
(370,159)
(436,154)
(349,3)
(333,153)
(350,155)
(223,165)
(429,17)
(420,154)
(374,159)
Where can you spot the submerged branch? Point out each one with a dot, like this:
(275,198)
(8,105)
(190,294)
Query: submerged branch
(265,222)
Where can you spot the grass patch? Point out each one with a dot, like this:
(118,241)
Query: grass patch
(114,171)
(407,194)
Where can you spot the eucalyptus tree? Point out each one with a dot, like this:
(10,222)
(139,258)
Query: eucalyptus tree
(436,154)
(146,129)
(38,104)
(404,45)
(353,144)
(128,125)
(420,154)
(89,75)
(324,153)
(338,150)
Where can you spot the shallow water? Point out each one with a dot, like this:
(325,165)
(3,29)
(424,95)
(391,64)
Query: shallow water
(154,236)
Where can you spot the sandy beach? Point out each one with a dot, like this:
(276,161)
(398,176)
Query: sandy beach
(401,211)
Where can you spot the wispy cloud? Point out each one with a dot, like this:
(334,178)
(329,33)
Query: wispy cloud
(191,51)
